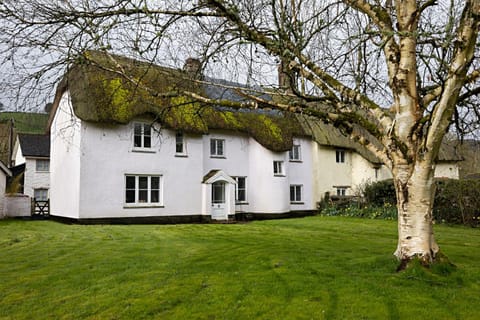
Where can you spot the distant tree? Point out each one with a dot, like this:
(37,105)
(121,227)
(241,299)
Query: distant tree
(393,75)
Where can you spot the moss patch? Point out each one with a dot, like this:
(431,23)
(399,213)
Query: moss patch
(102,90)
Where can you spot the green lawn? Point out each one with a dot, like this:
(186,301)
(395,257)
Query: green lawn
(310,268)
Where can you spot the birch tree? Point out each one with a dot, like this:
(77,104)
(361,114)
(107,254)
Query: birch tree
(393,75)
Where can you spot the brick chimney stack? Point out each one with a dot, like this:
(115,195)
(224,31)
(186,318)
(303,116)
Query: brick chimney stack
(193,68)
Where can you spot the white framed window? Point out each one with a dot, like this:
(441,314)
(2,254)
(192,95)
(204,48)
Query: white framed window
(42,165)
(217,148)
(218,192)
(296,193)
(143,190)
(142,135)
(240,189)
(180,143)
(294,153)
(341,191)
(340,156)
(278,168)
(40,194)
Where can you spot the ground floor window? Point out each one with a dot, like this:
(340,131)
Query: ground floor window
(341,191)
(240,189)
(295,193)
(218,192)
(143,189)
(40,194)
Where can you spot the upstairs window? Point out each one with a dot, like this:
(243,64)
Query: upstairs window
(217,147)
(295,193)
(42,165)
(241,189)
(278,169)
(142,189)
(340,156)
(142,136)
(179,143)
(294,153)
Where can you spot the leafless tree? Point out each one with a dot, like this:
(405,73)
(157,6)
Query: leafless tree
(393,75)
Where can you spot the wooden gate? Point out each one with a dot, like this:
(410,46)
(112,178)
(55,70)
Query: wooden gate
(40,208)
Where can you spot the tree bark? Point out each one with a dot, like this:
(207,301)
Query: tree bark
(415,189)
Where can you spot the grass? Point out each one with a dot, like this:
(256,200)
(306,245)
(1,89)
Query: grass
(310,268)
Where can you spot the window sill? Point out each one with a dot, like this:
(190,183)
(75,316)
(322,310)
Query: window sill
(279,175)
(142,206)
(295,160)
(42,171)
(142,150)
(181,155)
(218,157)
(241,203)
(297,202)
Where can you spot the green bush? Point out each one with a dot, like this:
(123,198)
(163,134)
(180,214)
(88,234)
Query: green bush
(456,201)
(380,193)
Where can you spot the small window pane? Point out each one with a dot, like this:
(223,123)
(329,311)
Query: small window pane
(138,129)
(143,196)
(220,147)
(137,140)
(155,196)
(130,182)
(155,182)
(130,196)
(143,182)
(147,142)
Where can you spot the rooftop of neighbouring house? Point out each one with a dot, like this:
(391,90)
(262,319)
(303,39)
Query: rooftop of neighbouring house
(35,145)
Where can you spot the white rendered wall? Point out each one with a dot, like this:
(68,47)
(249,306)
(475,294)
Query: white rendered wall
(328,174)
(3,183)
(34,179)
(365,172)
(108,155)
(65,153)
(267,193)
(300,173)
(17,155)
(447,170)
(235,163)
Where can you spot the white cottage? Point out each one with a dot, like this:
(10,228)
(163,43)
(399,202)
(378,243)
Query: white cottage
(145,151)
(119,153)
(31,152)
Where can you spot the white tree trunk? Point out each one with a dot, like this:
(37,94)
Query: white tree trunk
(415,190)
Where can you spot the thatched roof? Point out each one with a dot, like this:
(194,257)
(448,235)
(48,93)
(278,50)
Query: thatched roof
(113,89)
(102,91)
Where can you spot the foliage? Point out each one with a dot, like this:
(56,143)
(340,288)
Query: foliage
(27,122)
(309,268)
(458,201)
(380,193)
(386,211)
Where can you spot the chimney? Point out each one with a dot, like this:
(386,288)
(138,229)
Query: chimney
(193,68)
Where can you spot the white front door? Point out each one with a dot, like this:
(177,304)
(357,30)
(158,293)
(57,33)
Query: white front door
(219,207)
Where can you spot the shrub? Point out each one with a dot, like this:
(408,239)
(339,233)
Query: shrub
(380,193)
(456,201)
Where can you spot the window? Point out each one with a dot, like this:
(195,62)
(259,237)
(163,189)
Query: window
(340,156)
(142,135)
(40,194)
(217,147)
(295,193)
(142,189)
(179,143)
(278,168)
(341,191)
(218,192)
(294,153)
(42,165)
(241,189)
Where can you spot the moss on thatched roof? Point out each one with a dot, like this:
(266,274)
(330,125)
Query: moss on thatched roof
(113,89)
